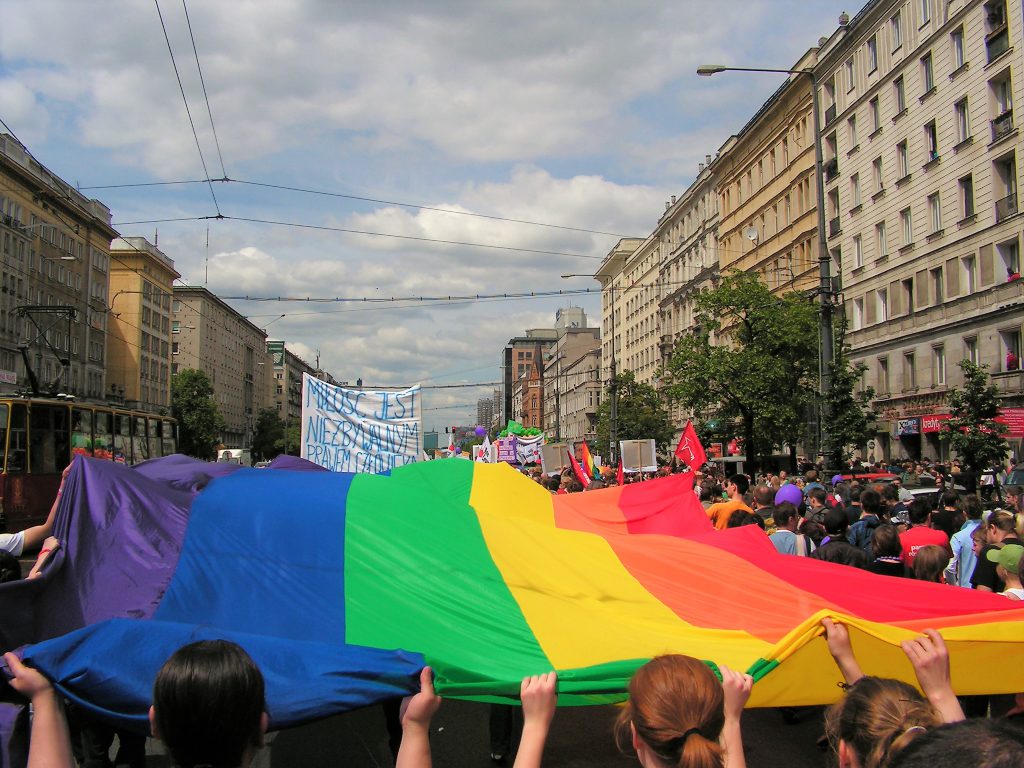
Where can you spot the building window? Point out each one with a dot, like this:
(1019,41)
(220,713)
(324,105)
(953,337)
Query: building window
(967,196)
(935,212)
(938,292)
(883,375)
(876,115)
(881,242)
(876,173)
(872,54)
(900,92)
(927,74)
(855,189)
(907,226)
(908,294)
(931,141)
(903,159)
(858,314)
(1005,186)
(997,37)
(851,129)
(969,267)
(176,326)
(956,41)
(1001,90)
(926,11)
(858,252)
(174,347)
(909,372)
(1010,256)
(882,304)
(896,30)
(849,75)
(939,366)
(971,350)
(1011,346)
(963,121)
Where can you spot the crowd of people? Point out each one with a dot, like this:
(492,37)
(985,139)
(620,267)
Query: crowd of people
(208,699)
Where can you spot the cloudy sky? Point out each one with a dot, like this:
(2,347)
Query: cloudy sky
(583,116)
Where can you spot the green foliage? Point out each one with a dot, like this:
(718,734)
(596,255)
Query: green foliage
(752,357)
(851,419)
(641,415)
(971,428)
(268,435)
(199,422)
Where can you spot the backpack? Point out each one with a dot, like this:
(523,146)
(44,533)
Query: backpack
(861,532)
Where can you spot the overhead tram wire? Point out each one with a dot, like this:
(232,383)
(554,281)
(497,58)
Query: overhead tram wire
(202,81)
(325,228)
(188,111)
(358,198)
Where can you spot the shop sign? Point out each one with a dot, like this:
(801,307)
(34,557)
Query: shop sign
(907,427)
(1014,419)
(933,423)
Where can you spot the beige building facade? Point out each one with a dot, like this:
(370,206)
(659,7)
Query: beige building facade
(55,254)
(572,384)
(923,205)
(767,210)
(139,349)
(208,335)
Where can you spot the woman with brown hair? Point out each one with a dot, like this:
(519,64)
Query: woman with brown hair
(878,717)
(1001,528)
(679,714)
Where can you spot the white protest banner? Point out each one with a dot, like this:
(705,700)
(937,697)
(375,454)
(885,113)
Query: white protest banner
(359,430)
(528,449)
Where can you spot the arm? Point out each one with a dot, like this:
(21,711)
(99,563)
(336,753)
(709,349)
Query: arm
(35,535)
(539,697)
(45,554)
(737,690)
(415,715)
(838,638)
(930,658)
(50,745)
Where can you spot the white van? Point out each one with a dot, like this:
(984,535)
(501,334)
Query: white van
(240,456)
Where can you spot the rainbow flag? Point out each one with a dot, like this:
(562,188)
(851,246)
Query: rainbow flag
(350,582)
(589,465)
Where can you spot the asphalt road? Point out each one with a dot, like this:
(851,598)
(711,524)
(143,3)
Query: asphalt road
(580,736)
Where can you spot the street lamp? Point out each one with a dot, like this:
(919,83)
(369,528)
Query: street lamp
(825,341)
(613,415)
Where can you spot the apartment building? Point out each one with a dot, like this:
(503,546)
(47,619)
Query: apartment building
(767,209)
(208,335)
(572,378)
(921,180)
(54,262)
(139,340)
(516,358)
(690,264)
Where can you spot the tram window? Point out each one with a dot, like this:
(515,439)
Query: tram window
(49,443)
(16,451)
(167,434)
(81,432)
(139,439)
(153,437)
(122,438)
(103,438)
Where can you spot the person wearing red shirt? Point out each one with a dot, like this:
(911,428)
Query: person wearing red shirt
(920,534)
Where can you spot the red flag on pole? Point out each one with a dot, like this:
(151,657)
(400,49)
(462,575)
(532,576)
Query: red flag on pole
(620,476)
(578,470)
(689,449)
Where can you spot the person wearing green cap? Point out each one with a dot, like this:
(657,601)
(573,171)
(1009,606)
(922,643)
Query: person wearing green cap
(1007,560)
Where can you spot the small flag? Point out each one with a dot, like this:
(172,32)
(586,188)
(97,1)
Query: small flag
(578,470)
(589,466)
(689,449)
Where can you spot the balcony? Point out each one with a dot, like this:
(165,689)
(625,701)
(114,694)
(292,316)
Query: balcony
(833,227)
(1002,125)
(830,114)
(831,168)
(997,43)
(1006,207)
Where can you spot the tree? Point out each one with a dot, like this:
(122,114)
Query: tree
(268,435)
(971,428)
(199,422)
(851,419)
(752,357)
(641,414)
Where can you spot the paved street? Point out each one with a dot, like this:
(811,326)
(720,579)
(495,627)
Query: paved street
(581,736)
